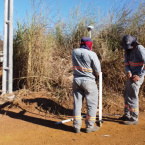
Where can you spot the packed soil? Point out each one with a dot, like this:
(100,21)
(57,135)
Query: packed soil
(30,120)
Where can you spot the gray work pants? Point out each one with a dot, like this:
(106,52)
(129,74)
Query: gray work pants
(131,109)
(87,89)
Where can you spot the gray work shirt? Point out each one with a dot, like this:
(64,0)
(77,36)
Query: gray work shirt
(85,64)
(135,61)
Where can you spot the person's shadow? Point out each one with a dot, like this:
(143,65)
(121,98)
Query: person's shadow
(47,105)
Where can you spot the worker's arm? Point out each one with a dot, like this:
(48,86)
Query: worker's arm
(141,52)
(127,67)
(141,55)
(96,66)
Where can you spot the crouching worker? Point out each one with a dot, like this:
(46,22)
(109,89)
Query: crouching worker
(135,71)
(86,66)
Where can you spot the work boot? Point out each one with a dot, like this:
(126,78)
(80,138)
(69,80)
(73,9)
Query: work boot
(96,128)
(76,130)
(124,118)
(131,122)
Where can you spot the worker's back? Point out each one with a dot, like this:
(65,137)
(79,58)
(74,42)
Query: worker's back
(85,64)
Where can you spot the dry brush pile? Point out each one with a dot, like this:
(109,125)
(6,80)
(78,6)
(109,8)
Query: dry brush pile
(42,53)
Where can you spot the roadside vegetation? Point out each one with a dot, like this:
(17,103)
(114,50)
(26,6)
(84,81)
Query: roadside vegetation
(42,49)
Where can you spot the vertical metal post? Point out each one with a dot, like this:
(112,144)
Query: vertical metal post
(90,33)
(100,98)
(7,78)
(90,28)
(100,86)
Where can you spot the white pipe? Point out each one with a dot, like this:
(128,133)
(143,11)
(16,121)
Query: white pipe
(90,33)
(64,121)
(100,85)
(100,97)
(90,29)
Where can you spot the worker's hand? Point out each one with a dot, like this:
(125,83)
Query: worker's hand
(97,74)
(135,78)
(129,75)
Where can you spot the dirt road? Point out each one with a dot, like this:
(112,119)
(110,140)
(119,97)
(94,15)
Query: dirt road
(18,127)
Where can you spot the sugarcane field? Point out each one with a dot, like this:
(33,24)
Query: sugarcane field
(72,72)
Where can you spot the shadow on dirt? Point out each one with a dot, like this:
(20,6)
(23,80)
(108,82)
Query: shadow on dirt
(39,121)
(47,105)
(111,119)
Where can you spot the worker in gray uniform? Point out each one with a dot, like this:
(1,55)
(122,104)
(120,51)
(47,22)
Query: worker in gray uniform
(86,66)
(135,70)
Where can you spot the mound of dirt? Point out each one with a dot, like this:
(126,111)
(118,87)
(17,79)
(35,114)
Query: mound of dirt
(45,104)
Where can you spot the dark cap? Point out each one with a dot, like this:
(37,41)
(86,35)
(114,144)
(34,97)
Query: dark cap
(85,39)
(129,42)
(86,43)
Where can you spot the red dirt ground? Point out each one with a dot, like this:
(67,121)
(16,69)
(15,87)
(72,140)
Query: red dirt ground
(26,129)
(30,124)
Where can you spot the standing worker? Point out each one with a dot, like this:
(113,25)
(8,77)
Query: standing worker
(135,70)
(86,66)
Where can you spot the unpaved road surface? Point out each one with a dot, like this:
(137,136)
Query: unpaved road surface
(18,127)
